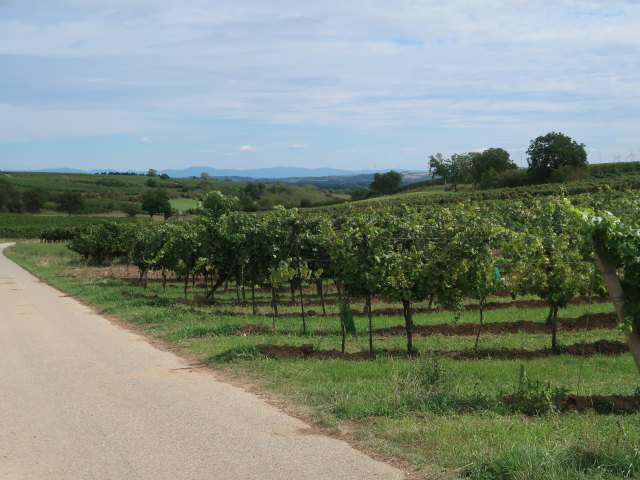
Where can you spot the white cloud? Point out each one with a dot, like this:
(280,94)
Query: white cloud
(505,70)
(146,140)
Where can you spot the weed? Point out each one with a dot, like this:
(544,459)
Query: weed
(534,397)
(236,354)
(423,385)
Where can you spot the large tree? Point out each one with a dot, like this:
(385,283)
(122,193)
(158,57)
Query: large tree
(156,201)
(9,196)
(554,151)
(385,183)
(34,199)
(71,202)
(455,170)
(490,162)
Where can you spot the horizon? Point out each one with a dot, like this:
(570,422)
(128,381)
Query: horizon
(279,172)
(137,85)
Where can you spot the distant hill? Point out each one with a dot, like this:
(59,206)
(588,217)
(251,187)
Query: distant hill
(113,192)
(262,173)
(257,173)
(337,182)
(328,178)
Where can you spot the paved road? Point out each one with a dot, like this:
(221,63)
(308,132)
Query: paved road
(81,398)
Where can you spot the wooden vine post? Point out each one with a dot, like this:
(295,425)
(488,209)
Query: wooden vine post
(616,293)
(299,280)
(365,247)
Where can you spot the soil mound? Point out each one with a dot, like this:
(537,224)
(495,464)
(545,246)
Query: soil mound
(606,321)
(604,404)
(603,347)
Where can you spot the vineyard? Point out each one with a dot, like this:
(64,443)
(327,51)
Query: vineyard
(53,227)
(472,339)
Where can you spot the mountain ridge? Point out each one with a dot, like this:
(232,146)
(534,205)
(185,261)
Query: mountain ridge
(257,173)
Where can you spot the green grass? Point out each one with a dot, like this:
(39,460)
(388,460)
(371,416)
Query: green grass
(442,416)
(184,203)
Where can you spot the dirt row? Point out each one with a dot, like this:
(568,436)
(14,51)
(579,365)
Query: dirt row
(386,311)
(603,347)
(603,321)
(602,404)
(490,306)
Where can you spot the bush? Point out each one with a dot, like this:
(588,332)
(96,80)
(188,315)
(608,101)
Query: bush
(511,178)
(132,209)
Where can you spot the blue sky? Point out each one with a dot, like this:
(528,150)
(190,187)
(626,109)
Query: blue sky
(138,84)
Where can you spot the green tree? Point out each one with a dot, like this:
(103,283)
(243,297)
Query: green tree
(156,201)
(152,172)
(455,170)
(9,197)
(554,151)
(386,183)
(5,190)
(34,199)
(488,164)
(71,202)
(254,190)
(215,204)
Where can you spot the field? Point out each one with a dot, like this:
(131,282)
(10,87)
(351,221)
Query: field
(111,193)
(13,225)
(183,203)
(486,413)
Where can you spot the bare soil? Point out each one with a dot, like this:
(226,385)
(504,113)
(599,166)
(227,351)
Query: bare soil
(605,321)
(602,404)
(305,351)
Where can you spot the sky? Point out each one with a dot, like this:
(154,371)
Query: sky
(139,84)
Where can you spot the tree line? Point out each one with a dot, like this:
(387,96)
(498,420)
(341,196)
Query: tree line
(553,157)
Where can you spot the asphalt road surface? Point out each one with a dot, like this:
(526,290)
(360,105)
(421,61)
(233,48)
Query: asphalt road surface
(81,398)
